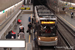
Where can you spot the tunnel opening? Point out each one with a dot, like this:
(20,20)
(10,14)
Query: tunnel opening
(39,2)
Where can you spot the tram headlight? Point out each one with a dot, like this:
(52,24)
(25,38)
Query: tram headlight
(39,38)
(55,38)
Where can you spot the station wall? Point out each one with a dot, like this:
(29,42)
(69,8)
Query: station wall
(7,3)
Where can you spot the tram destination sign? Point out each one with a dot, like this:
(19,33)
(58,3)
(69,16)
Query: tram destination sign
(47,22)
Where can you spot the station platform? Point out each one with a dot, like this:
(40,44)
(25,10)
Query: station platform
(66,25)
(70,22)
(25,23)
(29,39)
(25,14)
(24,18)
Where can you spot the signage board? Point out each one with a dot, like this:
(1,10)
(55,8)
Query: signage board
(25,8)
(3,11)
(70,7)
(22,8)
(12,43)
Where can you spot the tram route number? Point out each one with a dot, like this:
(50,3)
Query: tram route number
(25,8)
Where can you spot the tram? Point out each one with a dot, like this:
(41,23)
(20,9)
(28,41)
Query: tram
(47,32)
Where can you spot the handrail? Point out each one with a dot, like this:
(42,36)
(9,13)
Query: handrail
(8,9)
(2,32)
(8,18)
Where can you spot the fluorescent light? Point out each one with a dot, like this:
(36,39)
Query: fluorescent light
(12,43)
(73,4)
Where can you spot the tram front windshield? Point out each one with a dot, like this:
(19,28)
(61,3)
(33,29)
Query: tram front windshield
(48,32)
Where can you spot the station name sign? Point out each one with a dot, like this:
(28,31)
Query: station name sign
(25,8)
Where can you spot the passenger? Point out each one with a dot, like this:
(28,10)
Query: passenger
(13,35)
(72,14)
(29,28)
(9,36)
(63,8)
(21,35)
(29,19)
(21,26)
(19,21)
(37,26)
(35,41)
(32,20)
(21,29)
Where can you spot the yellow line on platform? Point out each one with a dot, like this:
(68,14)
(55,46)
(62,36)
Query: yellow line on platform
(26,47)
(29,38)
(67,22)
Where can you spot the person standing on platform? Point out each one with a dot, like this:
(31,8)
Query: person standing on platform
(19,21)
(13,35)
(63,8)
(29,19)
(21,35)
(29,28)
(21,28)
(72,14)
(37,26)
(9,36)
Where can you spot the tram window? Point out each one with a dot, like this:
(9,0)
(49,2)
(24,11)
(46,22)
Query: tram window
(47,34)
